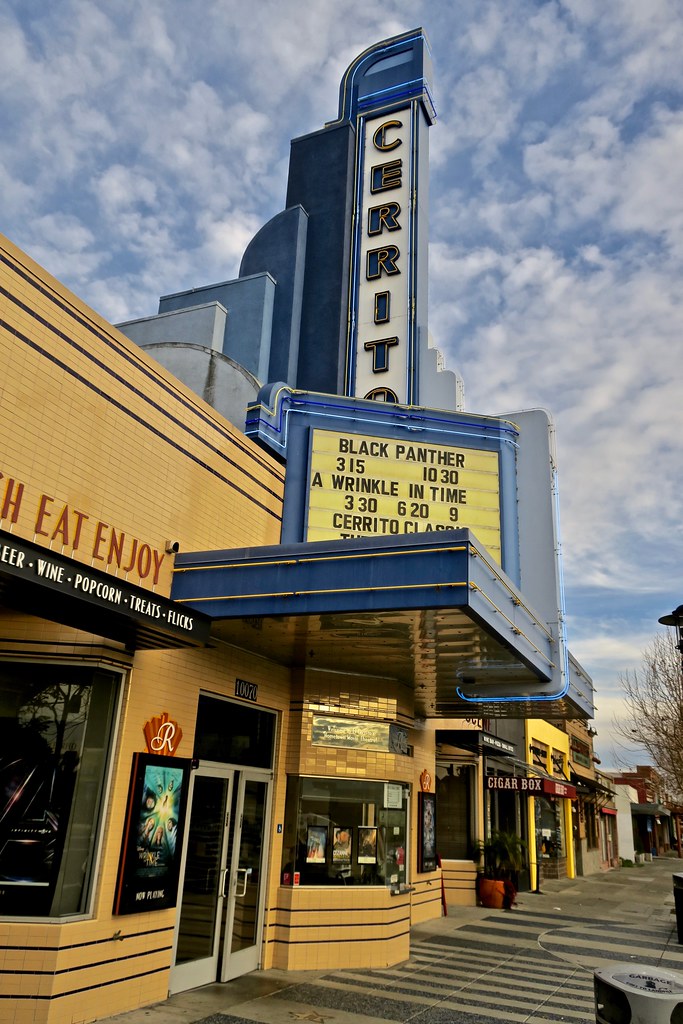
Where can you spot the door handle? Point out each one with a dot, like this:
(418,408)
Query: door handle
(245,872)
(222,894)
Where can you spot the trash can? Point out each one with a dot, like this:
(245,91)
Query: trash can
(678,902)
(638,994)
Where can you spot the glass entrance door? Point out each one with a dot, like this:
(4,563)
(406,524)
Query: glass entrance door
(243,931)
(219,926)
(203,879)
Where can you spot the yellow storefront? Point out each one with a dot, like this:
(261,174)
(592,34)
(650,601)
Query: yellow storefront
(550,839)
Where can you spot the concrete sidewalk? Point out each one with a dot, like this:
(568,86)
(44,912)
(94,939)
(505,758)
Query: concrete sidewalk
(532,964)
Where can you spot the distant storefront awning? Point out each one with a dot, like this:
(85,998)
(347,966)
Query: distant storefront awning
(608,810)
(587,787)
(476,740)
(651,808)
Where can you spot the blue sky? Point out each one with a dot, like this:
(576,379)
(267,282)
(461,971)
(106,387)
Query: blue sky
(143,145)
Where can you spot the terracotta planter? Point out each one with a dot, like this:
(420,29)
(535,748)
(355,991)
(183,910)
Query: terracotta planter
(491,893)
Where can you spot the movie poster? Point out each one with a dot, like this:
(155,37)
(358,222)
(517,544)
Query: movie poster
(367,844)
(426,850)
(152,838)
(316,844)
(341,844)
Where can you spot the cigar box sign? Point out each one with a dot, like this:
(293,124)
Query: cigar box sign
(531,785)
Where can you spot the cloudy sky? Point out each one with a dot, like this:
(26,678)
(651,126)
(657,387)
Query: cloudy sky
(144,144)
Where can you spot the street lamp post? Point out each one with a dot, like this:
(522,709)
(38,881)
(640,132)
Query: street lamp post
(676,620)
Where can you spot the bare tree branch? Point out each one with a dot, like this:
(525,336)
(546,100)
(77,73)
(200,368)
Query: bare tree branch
(653,699)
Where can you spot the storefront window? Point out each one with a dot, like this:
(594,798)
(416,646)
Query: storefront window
(55,731)
(344,832)
(551,833)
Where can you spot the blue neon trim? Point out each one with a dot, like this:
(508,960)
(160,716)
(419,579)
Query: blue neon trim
(458,433)
(512,700)
(416,420)
(412,355)
(409,91)
(356,270)
(346,106)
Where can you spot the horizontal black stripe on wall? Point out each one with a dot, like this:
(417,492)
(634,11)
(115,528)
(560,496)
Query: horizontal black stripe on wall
(90,942)
(142,422)
(89,966)
(124,354)
(328,942)
(400,913)
(80,991)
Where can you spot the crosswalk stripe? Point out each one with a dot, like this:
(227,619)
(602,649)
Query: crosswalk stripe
(491,1002)
(491,980)
(511,967)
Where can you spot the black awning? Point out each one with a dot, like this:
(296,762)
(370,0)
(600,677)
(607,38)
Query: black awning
(587,787)
(41,582)
(651,809)
(477,740)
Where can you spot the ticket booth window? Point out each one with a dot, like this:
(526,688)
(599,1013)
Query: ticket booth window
(55,734)
(344,832)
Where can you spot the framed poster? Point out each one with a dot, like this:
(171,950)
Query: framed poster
(341,844)
(426,832)
(152,834)
(316,844)
(367,844)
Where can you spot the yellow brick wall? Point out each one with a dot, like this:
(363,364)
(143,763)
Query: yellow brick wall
(92,425)
(98,438)
(305,934)
(131,954)
(303,928)
(459,880)
(328,693)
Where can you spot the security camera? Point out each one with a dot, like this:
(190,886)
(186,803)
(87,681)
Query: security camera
(172,547)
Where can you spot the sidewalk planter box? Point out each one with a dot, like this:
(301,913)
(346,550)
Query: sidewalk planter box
(491,893)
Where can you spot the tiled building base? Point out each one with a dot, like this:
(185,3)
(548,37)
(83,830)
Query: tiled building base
(321,928)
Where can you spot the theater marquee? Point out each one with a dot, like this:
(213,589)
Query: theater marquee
(365,486)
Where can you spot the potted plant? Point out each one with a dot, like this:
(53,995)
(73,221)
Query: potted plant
(502,856)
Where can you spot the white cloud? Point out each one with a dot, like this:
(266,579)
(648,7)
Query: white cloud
(483,112)
(119,188)
(224,241)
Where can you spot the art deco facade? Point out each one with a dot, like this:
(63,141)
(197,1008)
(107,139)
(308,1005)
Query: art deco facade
(231,658)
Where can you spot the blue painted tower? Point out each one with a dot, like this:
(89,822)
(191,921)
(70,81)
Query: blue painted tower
(332,292)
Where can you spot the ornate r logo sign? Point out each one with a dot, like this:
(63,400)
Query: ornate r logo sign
(162,735)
